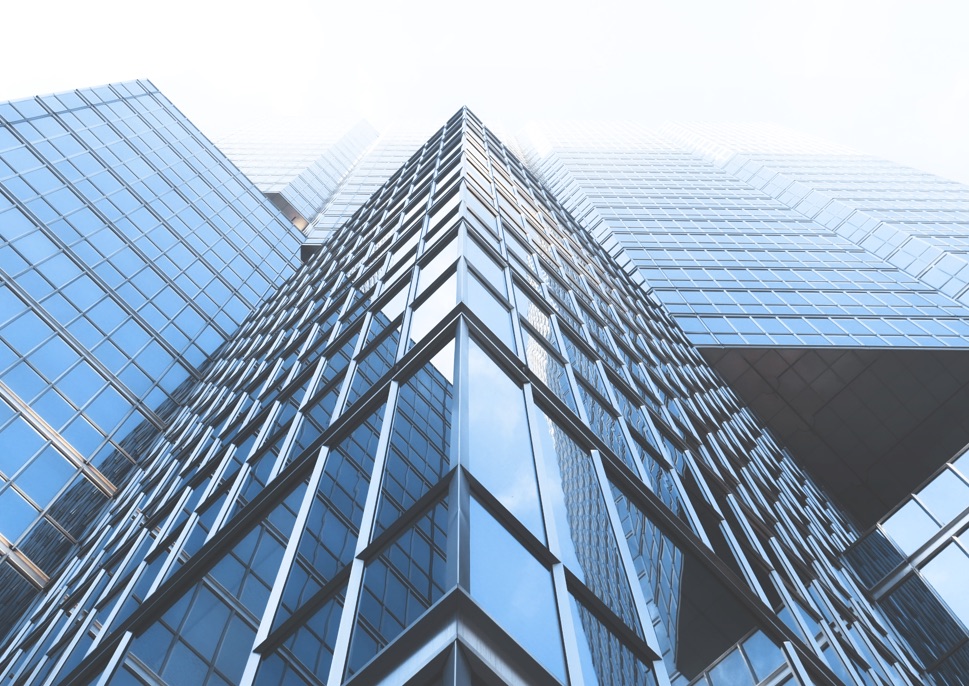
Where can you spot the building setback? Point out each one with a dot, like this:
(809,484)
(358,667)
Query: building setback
(825,286)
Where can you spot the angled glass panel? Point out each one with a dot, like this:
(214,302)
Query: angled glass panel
(606,426)
(329,536)
(492,312)
(873,557)
(587,543)
(922,619)
(305,655)
(697,618)
(206,636)
(910,527)
(500,446)
(431,311)
(373,366)
(548,368)
(948,572)
(946,496)
(314,420)
(604,659)
(515,589)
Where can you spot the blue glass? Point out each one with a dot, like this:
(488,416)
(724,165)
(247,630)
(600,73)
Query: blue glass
(404,580)
(311,645)
(430,312)
(492,272)
(419,451)
(946,496)
(576,501)
(17,433)
(948,572)
(765,657)
(45,476)
(910,527)
(185,666)
(515,589)
(438,264)
(207,616)
(731,671)
(604,659)
(17,513)
(493,313)
(329,535)
(499,442)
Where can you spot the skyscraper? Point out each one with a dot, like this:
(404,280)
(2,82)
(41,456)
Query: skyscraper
(299,169)
(463,443)
(131,249)
(824,285)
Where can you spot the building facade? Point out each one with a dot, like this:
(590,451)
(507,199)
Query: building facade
(811,277)
(462,444)
(479,436)
(299,168)
(131,250)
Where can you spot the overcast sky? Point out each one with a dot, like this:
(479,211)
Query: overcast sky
(887,78)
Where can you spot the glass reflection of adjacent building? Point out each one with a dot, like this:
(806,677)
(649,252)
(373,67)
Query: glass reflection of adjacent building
(461,445)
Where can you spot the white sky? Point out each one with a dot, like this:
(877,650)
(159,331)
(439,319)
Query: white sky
(885,77)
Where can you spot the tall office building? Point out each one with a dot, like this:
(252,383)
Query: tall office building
(387,154)
(825,286)
(299,167)
(467,443)
(461,445)
(131,249)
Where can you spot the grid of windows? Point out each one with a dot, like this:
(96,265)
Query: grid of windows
(299,169)
(913,564)
(713,218)
(629,520)
(131,249)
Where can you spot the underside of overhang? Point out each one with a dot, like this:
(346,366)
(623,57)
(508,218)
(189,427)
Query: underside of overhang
(869,424)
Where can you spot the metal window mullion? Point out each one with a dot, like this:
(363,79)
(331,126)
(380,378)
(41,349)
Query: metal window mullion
(115,660)
(572,659)
(459,495)
(285,565)
(641,604)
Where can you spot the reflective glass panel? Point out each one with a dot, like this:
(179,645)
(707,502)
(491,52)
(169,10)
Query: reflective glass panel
(419,451)
(500,446)
(604,659)
(515,589)
(910,527)
(948,573)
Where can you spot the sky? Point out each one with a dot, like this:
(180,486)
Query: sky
(885,77)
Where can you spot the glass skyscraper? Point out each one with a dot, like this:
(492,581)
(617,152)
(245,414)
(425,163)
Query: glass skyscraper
(469,442)
(811,277)
(299,168)
(131,250)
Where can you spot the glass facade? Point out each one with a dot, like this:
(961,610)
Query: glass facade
(299,167)
(914,565)
(462,445)
(825,286)
(719,227)
(131,249)
(385,156)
